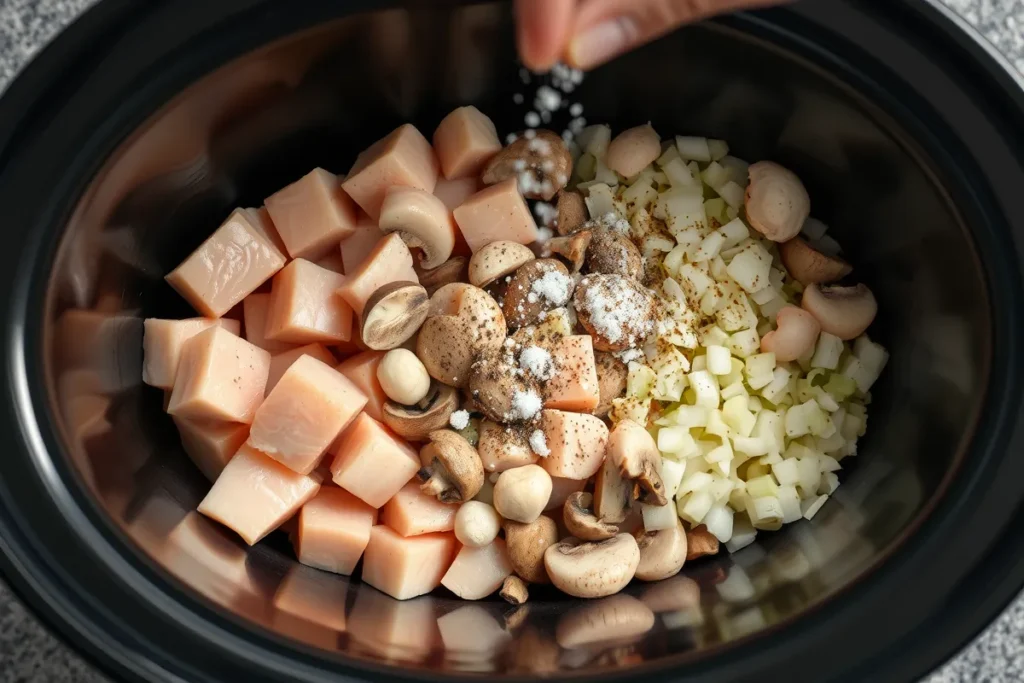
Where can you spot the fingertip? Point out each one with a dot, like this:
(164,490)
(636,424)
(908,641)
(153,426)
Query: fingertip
(543,28)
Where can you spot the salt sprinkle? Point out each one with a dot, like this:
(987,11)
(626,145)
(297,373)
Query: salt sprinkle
(544,235)
(459,419)
(629,355)
(548,99)
(512,137)
(576,109)
(525,406)
(618,314)
(538,362)
(532,119)
(546,213)
(539,443)
(553,286)
(530,134)
(518,98)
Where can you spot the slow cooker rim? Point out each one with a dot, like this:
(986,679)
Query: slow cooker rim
(24,584)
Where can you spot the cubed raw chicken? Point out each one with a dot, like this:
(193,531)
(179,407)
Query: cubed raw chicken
(454,193)
(404,157)
(305,307)
(334,528)
(311,404)
(265,224)
(332,262)
(280,363)
(313,214)
(255,494)
(390,261)
(502,448)
(220,377)
(255,308)
(357,246)
(228,266)
(577,443)
(574,385)
(465,140)
(478,572)
(406,567)
(498,212)
(211,444)
(411,512)
(361,370)
(163,340)
(372,462)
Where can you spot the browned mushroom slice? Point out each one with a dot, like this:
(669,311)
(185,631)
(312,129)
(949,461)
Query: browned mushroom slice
(416,422)
(393,314)
(612,374)
(580,520)
(572,248)
(464,322)
(537,287)
(845,312)
(539,160)
(572,212)
(700,542)
(618,312)
(452,270)
(809,266)
(453,472)
(526,544)
(514,590)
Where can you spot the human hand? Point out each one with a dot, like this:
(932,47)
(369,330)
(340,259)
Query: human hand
(586,33)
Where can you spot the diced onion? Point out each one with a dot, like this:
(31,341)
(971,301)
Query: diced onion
(693,148)
(719,522)
(658,517)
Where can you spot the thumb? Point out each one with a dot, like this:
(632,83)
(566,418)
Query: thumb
(543,28)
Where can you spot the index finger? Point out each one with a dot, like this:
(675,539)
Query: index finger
(543,28)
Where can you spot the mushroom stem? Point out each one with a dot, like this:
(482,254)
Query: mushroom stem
(514,590)
(434,484)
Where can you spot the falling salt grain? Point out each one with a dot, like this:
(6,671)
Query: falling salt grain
(548,99)
(576,109)
(532,119)
(518,98)
(459,419)
(546,213)
(539,443)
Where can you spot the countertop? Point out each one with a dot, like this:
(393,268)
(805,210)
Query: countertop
(29,654)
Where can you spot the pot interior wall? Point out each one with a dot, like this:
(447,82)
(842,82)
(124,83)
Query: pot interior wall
(317,99)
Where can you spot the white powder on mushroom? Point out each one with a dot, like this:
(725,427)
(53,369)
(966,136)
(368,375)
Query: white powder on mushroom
(539,443)
(629,355)
(525,406)
(616,315)
(459,419)
(538,362)
(553,287)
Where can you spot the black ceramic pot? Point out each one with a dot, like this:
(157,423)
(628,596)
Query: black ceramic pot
(127,140)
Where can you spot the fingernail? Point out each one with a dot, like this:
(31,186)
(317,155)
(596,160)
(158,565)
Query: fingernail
(603,41)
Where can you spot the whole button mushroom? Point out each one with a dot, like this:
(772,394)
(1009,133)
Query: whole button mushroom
(402,377)
(476,524)
(809,266)
(393,314)
(633,450)
(662,553)
(796,334)
(777,202)
(526,545)
(539,160)
(423,222)
(463,322)
(538,286)
(581,522)
(592,569)
(572,212)
(496,260)
(452,471)
(571,248)
(613,253)
(845,312)
(416,422)
(499,390)
(700,543)
(633,150)
(521,494)
(614,619)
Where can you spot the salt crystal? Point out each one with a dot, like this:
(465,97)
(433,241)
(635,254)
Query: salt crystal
(629,355)
(532,119)
(539,443)
(543,236)
(525,406)
(545,116)
(518,98)
(512,137)
(538,362)
(546,213)
(548,99)
(576,109)
(554,286)
(530,134)
(519,165)
(459,419)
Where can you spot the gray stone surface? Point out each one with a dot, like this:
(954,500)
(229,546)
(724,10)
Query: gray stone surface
(29,654)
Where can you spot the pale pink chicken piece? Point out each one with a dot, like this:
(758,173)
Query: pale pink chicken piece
(503,449)
(577,443)
(357,246)
(280,363)
(464,141)
(228,266)
(265,224)
(406,567)
(404,157)
(390,261)
(305,307)
(495,213)
(162,341)
(313,214)
(361,370)
(574,385)
(411,512)
(478,572)
(393,629)
(255,308)
(333,262)
(255,494)
(453,193)
(334,528)
(220,377)
(372,462)
(209,444)
(424,217)
(310,406)
(561,489)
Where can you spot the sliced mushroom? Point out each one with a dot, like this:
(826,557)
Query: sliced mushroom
(521,494)
(612,374)
(499,387)
(618,312)
(537,287)
(662,553)
(540,161)
(514,590)
(572,212)
(592,569)
(633,150)
(496,260)
(612,253)
(526,545)
(393,314)
(700,542)
(845,312)
(452,471)
(614,619)
(613,495)
(422,220)
(777,202)
(581,522)
(572,248)
(452,270)
(464,322)
(415,423)
(809,266)
(635,453)
(796,334)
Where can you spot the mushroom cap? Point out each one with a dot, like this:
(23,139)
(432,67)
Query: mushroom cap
(796,333)
(662,553)
(476,524)
(845,312)
(522,493)
(463,322)
(612,374)
(634,451)
(633,150)
(537,286)
(592,569)
(581,522)
(526,545)
(572,248)
(415,423)
(613,495)
(777,202)
(453,459)
(514,590)
(572,212)
(495,383)
(614,618)
(496,260)
(451,271)
(393,314)
(612,253)
(700,542)
(422,220)
(540,160)
(809,266)
(618,312)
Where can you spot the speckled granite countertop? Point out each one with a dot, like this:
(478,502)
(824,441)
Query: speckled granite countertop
(29,654)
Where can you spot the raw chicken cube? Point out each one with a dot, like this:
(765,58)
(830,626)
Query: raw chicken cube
(574,384)
(305,306)
(577,443)
(454,193)
(228,266)
(372,462)
(265,224)
(255,308)
(210,444)
(502,448)
(361,370)
(411,512)
(334,528)
(478,572)
(220,377)
(311,404)
(404,157)
(465,140)
(280,363)
(163,340)
(313,214)
(406,567)
(332,262)
(357,246)
(495,213)
(255,494)
(390,261)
